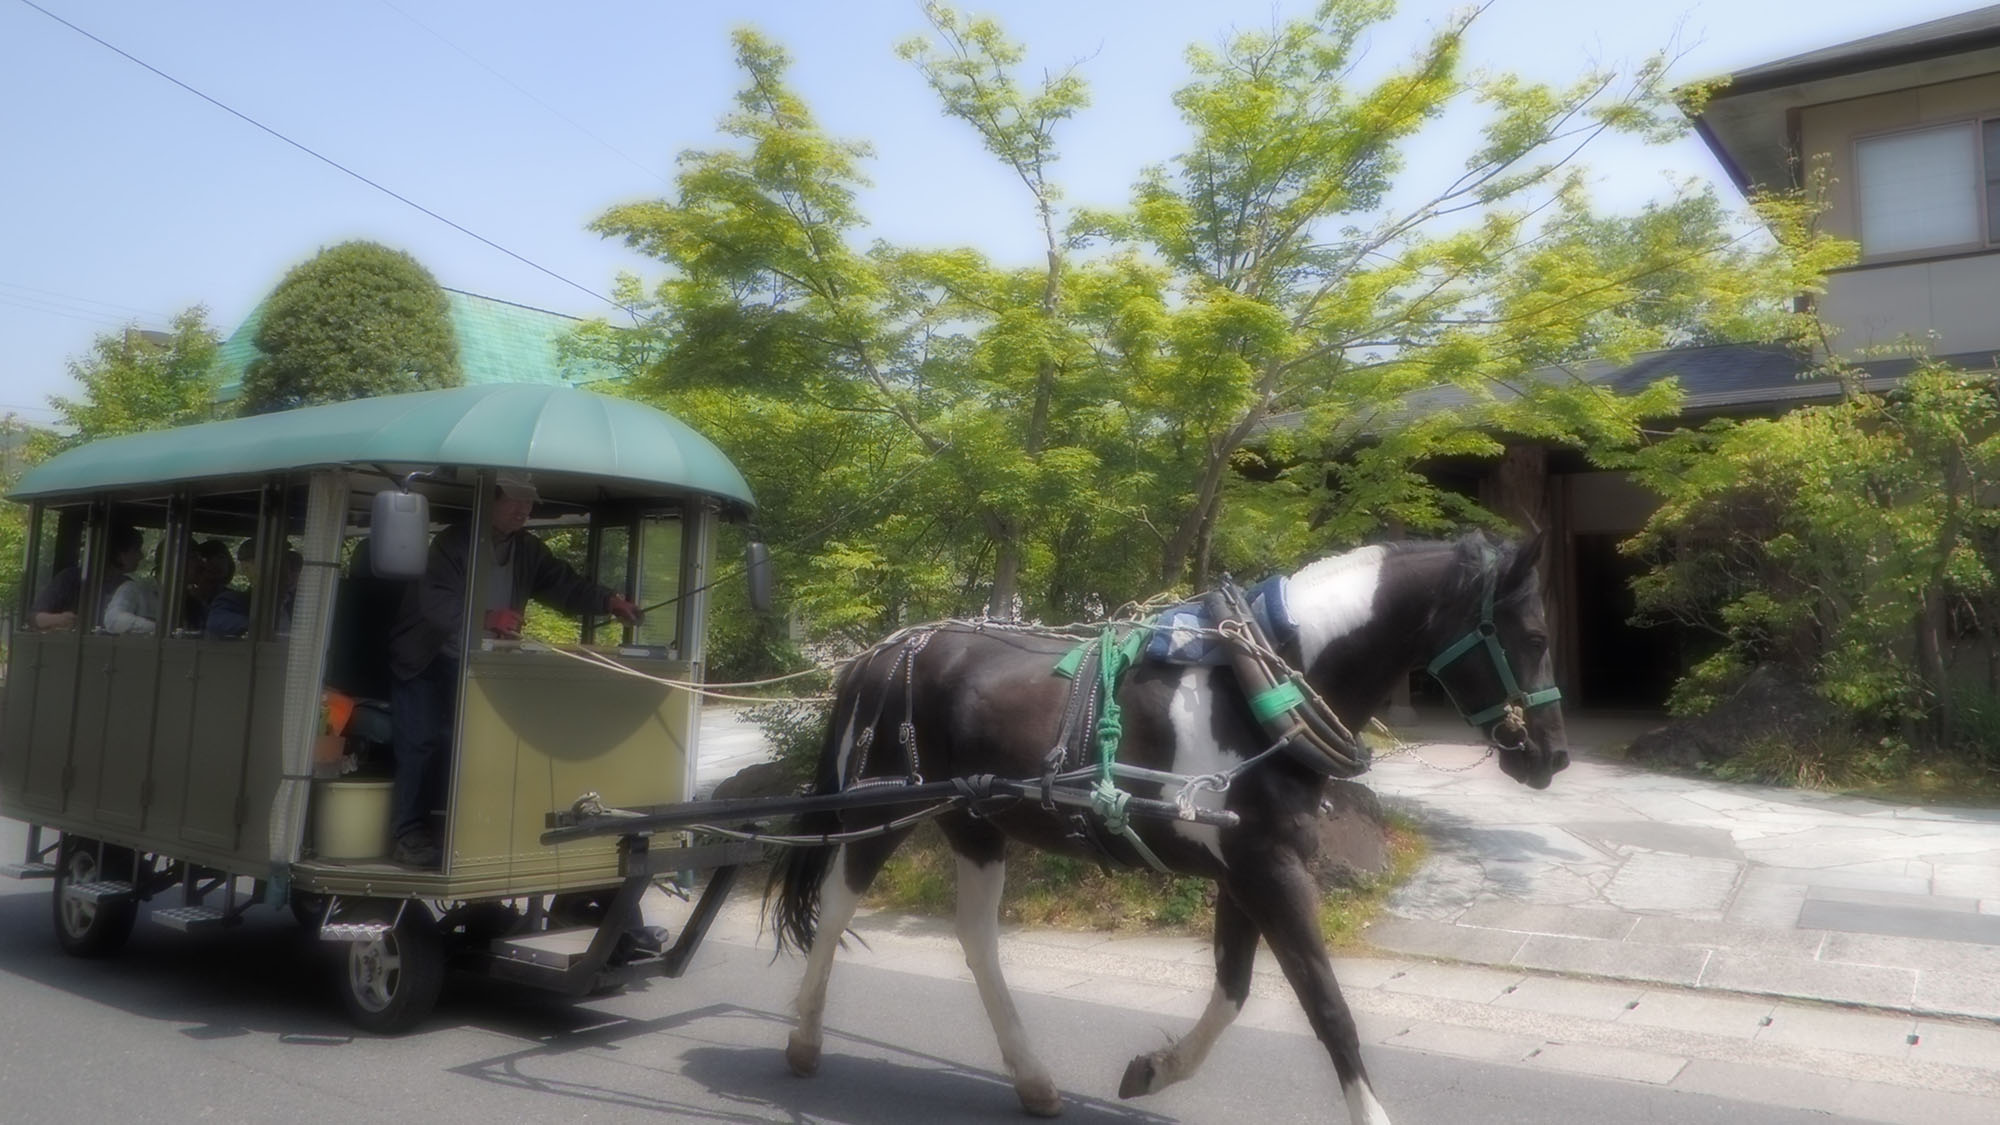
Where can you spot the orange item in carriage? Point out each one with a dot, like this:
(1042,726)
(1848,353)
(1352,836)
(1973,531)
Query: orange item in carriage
(338,707)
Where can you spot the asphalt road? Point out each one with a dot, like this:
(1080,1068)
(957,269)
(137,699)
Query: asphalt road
(244,1026)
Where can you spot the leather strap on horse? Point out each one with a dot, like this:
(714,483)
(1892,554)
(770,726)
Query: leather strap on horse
(1287,707)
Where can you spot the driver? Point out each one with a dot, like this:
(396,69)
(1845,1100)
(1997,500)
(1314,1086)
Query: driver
(424,646)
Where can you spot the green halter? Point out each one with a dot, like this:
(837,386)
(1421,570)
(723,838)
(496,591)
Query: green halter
(1487,635)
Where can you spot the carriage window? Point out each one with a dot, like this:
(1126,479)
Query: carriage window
(216,596)
(660,581)
(55,588)
(135,553)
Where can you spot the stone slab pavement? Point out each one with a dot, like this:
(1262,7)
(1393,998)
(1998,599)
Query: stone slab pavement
(1623,874)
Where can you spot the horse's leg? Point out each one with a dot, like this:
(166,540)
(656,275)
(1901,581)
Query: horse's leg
(1235,953)
(982,875)
(1281,898)
(854,867)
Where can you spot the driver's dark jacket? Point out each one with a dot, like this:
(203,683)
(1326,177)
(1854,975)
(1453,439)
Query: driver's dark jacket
(434,605)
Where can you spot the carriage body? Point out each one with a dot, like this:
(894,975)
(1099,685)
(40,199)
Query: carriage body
(186,762)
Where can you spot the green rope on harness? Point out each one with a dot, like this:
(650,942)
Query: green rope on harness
(1107,800)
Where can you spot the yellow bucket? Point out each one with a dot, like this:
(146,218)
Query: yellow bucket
(351,819)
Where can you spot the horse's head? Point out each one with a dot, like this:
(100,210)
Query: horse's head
(1495,664)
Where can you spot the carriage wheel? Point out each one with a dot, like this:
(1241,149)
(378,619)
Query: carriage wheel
(387,985)
(91,929)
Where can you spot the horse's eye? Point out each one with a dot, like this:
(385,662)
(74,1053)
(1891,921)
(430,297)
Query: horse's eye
(1537,643)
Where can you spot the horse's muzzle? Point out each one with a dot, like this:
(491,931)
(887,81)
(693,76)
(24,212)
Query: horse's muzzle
(1529,755)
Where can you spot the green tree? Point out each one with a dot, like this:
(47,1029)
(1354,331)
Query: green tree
(1080,430)
(1837,540)
(133,381)
(358,319)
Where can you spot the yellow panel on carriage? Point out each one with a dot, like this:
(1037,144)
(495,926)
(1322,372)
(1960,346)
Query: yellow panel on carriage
(538,731)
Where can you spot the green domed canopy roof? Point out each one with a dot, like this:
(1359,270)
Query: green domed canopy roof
(542,429)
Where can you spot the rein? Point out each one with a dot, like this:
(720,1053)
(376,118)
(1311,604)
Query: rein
(1514,703)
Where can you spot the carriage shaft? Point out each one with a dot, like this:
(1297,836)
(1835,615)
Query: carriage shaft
(749,812)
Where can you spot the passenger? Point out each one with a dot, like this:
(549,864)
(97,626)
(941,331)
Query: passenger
(56,603)
(209,570)
(424,647)
(135,607)
(229,616)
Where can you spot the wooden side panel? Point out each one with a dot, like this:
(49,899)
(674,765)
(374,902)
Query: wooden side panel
(49,739)
(214,775)
(125,753)
(95,674)
(539,731)
(173,731)
(17,713)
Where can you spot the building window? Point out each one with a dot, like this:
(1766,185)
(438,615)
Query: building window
(1926,189)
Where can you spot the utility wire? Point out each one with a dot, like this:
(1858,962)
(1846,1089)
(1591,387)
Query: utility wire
(327,159)
(71,298)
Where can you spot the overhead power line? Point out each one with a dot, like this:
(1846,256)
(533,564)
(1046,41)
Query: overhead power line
(71,298)
(324,159)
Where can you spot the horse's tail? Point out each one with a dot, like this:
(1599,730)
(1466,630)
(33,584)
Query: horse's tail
(792,894)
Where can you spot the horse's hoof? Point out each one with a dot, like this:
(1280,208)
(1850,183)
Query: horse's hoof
(801,1056)
(1040,1098)
(1139,1076)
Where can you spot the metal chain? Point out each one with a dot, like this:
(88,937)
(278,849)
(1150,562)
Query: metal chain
(1398,746)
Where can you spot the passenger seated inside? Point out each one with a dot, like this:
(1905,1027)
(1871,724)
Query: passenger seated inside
(209,570)
(56,603)
(229,616)
(135,607)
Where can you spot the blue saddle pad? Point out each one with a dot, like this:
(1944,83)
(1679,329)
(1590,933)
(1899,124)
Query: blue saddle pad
(1181,633)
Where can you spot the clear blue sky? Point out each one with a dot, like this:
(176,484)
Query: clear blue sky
(125,198)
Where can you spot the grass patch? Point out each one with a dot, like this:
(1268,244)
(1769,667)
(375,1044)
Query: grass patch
(1060,892)
(1844,763)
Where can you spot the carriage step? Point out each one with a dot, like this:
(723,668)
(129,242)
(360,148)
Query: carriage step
(354,931)
(555,949)
(100,892)
(28,870)
(192,919)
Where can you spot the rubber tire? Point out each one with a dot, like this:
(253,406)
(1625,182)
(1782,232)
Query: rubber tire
(389,985)
(90,931)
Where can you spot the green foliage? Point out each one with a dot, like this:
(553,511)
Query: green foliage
(1856,543)
(357,320)
(1051,890)
(1240,369)
(132,383)
(795,730)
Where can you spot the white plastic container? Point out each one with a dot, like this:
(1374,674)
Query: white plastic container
(351,819)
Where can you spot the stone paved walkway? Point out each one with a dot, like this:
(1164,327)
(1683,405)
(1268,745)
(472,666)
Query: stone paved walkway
(1623,873)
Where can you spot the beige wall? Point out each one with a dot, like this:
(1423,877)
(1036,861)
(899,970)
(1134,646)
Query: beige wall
(1951,304)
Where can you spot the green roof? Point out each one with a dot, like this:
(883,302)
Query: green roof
(498,342)
(541,429)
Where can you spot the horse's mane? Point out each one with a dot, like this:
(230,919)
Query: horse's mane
(1465,579)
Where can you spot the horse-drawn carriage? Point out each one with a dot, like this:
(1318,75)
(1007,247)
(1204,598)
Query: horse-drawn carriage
(193,770)
(196,773)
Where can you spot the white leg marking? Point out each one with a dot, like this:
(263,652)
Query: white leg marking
(836,909)
(1181,1060)
(1333,597)
(1362,1108)
(979,888)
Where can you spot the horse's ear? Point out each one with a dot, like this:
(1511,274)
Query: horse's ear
(1523,562)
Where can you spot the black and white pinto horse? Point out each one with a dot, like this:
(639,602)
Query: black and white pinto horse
(985,702)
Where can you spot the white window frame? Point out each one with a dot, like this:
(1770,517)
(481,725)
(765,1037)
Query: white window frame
(1989,228)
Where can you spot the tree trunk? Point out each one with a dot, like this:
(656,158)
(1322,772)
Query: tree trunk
(1931,631)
